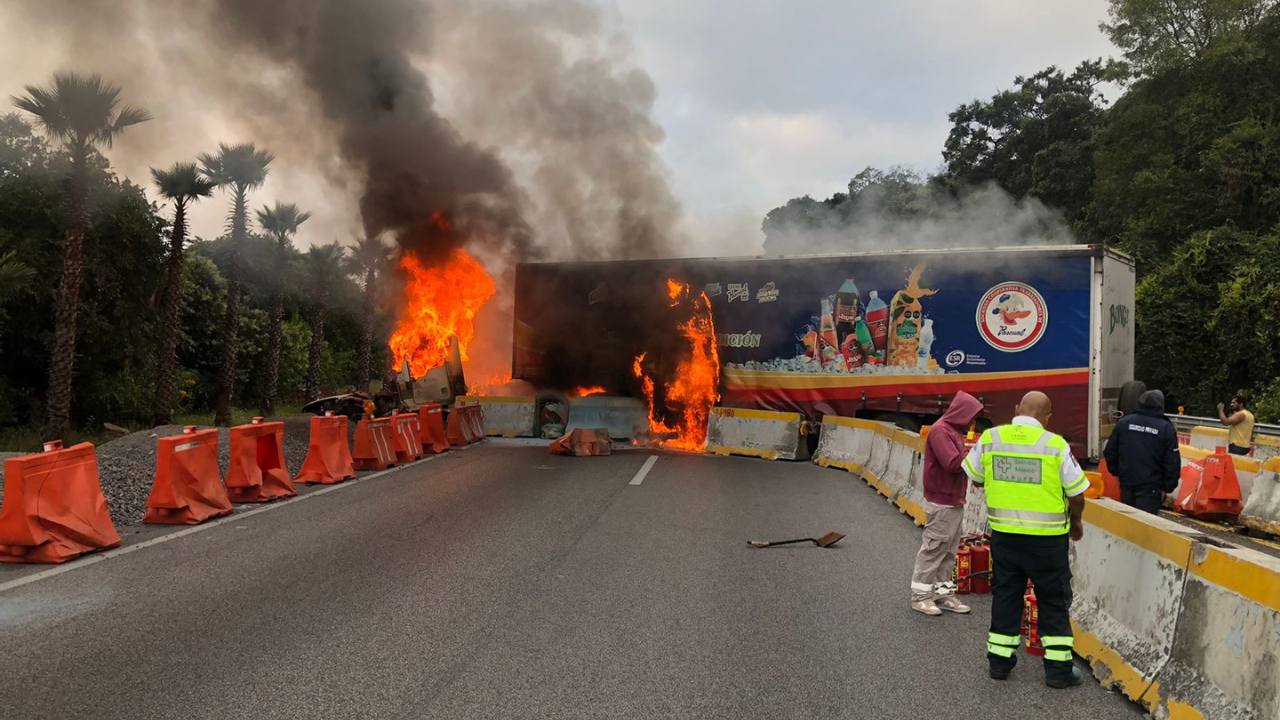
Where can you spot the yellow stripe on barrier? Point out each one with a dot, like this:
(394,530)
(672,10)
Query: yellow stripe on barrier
(478,399)
(1257,582)
(755,414)
(1169,545)
(1122,674)
(1267,441)
(858,423)
(1193,453)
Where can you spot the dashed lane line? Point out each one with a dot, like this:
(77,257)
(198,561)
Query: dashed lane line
(644,470)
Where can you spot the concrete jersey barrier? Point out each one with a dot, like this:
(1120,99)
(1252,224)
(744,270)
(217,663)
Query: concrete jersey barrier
(625,418)
(756,433)
(1208,438)
(1262,510)
(1185,627)
(505,416)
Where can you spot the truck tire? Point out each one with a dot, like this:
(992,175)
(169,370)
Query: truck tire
(1129,394)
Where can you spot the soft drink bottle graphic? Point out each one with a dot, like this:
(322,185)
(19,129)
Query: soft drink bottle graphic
(878,324)
(848,309)
(828,342)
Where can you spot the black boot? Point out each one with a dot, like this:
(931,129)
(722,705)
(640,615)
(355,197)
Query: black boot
(1074,679)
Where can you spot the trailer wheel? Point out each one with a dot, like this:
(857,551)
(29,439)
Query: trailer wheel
(1129,394)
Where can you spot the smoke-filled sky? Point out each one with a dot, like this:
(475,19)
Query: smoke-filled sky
(563,127)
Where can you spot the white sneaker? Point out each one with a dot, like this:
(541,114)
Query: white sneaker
(927,607)
(951,604)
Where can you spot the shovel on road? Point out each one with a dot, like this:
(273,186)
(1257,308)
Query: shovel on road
(827,540)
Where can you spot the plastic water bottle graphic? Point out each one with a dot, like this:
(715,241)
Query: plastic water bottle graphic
(926,345)
(878,324)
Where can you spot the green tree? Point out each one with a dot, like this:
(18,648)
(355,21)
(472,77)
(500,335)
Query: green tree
(367,262)
(238,169)
(324,271)
(1158,35)
(281,223)
(182,184)
(1037,139)
(81,112)
(14,275)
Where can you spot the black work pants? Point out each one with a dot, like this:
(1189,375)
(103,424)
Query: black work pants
(1144,499)
(1237,450)
(1043,560)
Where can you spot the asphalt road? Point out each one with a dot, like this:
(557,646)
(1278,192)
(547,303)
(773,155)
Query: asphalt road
(504,582)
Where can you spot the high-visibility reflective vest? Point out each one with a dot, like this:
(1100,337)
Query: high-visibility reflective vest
(1022,474)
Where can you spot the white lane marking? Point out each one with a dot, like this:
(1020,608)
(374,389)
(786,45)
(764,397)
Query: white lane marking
(648,465)
(237,516)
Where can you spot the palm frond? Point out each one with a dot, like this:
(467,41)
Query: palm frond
(241,166)
(182,182)
(80,110)
(14,274)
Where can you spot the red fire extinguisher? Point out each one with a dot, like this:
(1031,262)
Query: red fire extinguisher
(980,566)
(964,568)
(1031,622)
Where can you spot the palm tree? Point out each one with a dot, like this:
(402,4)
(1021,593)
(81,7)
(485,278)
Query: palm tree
(366,262)
(281,222)
(182,184)
(81,112)
(323,270)
(238,169)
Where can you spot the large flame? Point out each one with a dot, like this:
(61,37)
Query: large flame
(695,388)
(440,302)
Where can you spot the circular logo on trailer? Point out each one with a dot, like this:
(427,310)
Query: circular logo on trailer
(955,358)
(1012,317)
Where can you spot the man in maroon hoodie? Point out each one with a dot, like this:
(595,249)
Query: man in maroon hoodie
(945,489)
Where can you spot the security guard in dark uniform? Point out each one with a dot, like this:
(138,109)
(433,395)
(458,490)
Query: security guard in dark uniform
(1035,496)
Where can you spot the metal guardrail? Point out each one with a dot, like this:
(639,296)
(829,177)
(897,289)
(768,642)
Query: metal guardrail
(1184,423)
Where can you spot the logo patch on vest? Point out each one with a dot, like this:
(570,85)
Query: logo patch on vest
(1016,469)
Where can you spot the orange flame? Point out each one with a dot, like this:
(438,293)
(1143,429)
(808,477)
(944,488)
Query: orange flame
(440,302)
(489,385)
(585,391)
(690,395)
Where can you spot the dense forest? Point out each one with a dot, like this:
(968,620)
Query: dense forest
(120,326)
(1181,169)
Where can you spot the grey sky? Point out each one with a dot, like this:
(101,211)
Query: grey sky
(761,100)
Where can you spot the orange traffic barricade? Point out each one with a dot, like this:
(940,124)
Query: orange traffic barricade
(54,509)
(431,431)
(408,447)
(257,472)
(375,447)
(1110,483)
(1210,488)
(473,422)
(188,486)
(466,424)
(328,456)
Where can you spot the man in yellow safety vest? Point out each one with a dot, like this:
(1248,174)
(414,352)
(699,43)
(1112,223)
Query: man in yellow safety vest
(1035,497)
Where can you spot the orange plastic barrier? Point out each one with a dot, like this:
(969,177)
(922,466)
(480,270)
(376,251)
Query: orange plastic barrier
(54,509)
(328,456)
(1210,487)
(408,447)
(431,429)
(584,442)
(466,424)
(1110,483)
(257,472)
(188,487)
(375,444)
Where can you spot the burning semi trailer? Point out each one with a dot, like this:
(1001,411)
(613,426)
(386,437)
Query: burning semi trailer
(882,336)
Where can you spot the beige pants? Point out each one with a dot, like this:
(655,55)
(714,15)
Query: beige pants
(937,556)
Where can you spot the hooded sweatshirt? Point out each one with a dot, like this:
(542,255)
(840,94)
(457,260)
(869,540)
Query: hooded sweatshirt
(1143,448)
(944,479)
